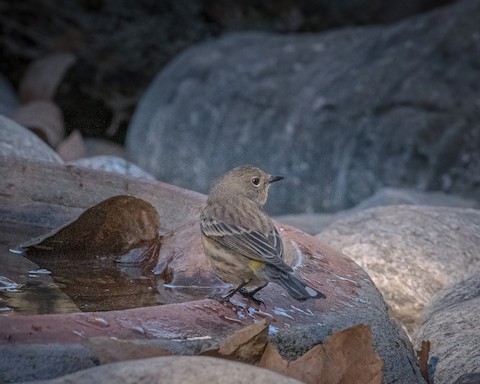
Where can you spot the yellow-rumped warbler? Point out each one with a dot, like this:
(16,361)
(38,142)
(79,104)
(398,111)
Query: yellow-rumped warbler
(240,240)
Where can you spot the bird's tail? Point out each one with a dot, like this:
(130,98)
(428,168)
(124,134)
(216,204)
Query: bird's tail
(297,288)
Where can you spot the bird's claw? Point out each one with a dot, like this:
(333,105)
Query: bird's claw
(251,296)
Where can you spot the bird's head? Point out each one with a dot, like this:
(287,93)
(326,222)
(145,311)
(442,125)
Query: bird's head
(249,181)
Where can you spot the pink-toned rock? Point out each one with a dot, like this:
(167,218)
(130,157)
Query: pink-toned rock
(72,147)
(44,118)
(43,76)
(190,322)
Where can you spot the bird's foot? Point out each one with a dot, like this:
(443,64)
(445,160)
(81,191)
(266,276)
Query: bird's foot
(223,298)
(251,296)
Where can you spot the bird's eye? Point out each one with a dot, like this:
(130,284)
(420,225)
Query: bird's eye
(256,181)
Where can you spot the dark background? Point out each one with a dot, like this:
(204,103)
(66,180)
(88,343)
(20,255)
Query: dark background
(121,45)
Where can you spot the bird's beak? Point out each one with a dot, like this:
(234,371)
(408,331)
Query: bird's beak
(272,179)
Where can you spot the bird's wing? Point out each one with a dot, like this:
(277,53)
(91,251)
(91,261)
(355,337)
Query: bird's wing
(253,244)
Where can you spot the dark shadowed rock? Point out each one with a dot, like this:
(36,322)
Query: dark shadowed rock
(451,324)
(29,362)
(340,114)
(117,57)
(305,15)
(469,378)
(410,252)
(8,98)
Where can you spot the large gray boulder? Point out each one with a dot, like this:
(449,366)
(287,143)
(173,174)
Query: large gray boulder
(451,324)
(341,114)
(410,252)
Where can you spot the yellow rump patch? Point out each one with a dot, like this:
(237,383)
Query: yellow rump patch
(256,265)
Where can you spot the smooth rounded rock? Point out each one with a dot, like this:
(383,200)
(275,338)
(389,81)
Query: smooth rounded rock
(28,362)
(410,252)
(16,140)
(313,223)
(175,370)
(451,323)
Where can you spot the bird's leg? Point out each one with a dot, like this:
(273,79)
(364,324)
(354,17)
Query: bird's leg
(233,291)
(250,294)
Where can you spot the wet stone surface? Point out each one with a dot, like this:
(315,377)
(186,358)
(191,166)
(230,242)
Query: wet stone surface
(188,323)
(60,283)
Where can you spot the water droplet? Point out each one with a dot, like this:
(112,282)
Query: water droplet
(8,285)
(139,330)
(345,279)
(308,312)
(362,300)
(40,271)
(281,312)
(272,330)
(79,333)
(98,321)
(17,251)
(199,338)
(230,319)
